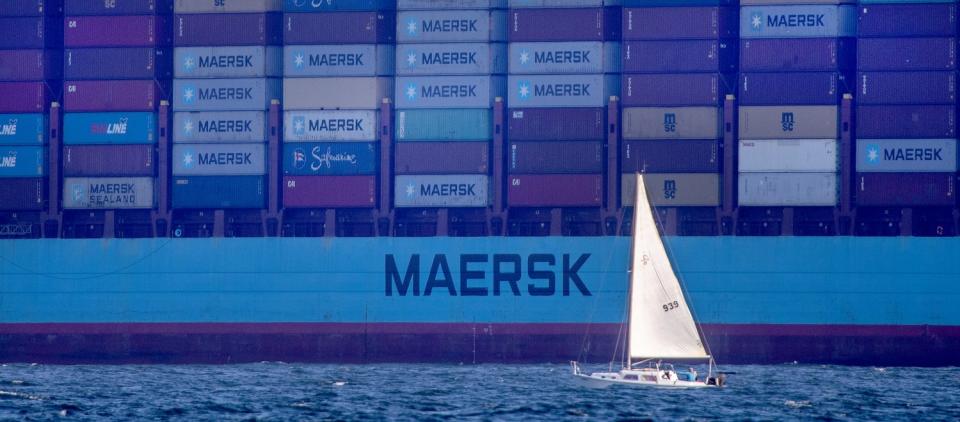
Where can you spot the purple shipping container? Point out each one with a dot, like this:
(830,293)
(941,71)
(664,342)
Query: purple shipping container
(674,23)
(556,124)
(573,24)
(563,157)
(690,89)
(116,31)
(117,63)
(793,54)
(32,7)
(792,88)
(671,156)
(339,28)
(906,87)
(22,194)
(679,56)
(29,65)
(25,97)
(907,54)
(108,160)
(906,189)
(432,157)
(226,29)
(908,20)
(30,33)
(329,191)
(133,95)
(555,190)
(906,121)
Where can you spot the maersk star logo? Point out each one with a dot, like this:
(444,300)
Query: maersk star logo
(298,60)
(77,192)
(523,90)
(412,27)
(524,57)
(411,190)
(188,159)
(756,21)
(188,63)
(412,59)
(873,154)
(411,92)
(299,125)
(189,94)
(187,127)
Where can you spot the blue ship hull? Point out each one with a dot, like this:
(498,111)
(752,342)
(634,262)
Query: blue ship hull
(852,300)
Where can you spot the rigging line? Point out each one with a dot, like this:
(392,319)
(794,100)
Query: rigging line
(143,258)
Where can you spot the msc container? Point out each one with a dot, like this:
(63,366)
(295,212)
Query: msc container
(229,6)
(219,159)
(907,87)
(557,124)
(223,29)
(788,122)
(30,33)
(908,20)
(117,63)
(108,192)
(458,124)
(330,125)
(330,158)
(34,7)
(687,156)
(907,54)
(788,156)
(336,5)
(562,90)
(555,190)
(109,128)
(339,28)
(448,190)
(116,31)
(552,157)
(228,62)
(792,88)
(787,189)
(22,161)
(131,95)
(564,57)
(442,158)
(907,155)
(23,129)
(224,94)
(447,91)
(907,121)
(679,56)
(204,192)
(575,24)
(797,54)
(450,26)
(338,60)
(673,189)
(672,123)
(798,21)
(109,160)
(220,126)
(117,7)
(905,189)
(451,59)
(450,4)
(689,89)
(676,23)
(329,191)
(24,97)
(29,65)
(361,93)
(23,194)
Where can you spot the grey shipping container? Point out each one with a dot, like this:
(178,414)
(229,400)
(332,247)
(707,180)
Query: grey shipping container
(672,123)
(330,125)
(227,62)
(788,122)
(556,157)
(564,57)
(219,160)
(360,93)
(562,90)
(787,189)
(224,94)
(451,26)
(462,190)
(338,60)
(451,59)
(788,155)
(108,192)
(448,91)
(673,189)
(228,6)
(907,155)
(220,126)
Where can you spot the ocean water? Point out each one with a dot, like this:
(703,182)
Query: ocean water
(278,391)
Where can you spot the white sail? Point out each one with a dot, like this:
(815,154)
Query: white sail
(661,324)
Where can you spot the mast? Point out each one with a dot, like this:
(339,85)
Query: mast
(633,245)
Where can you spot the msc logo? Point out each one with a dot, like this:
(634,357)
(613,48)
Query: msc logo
(10,128)
(787,122)
(670,122)
(669,189)
(299,158)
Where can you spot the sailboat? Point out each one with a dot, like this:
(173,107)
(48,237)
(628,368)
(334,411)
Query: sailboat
(660,326)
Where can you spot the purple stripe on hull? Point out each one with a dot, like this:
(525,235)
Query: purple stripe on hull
(464,342)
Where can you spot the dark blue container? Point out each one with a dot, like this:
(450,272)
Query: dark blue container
(117,7)
(338,5)
(907,54)
(792,88)
(908,20)
(674,23)
(679,56)
(674,89)
(32,8)
(906,121)
(26,33)
(797,54)
(671,3)
(339,28)
(330,158)
(199,192)
(29,65)
(117,63)
(906,87)
(671,156)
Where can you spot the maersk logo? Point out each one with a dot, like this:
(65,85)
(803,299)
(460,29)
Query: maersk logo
(10,128)
(78,192)
(323,159)
(441,190)
(105,193)
(442,58)
(525,90)
(225,126)
(299,125)
(543,271)
(238,61)
(9,160)
(328,60)
(189,94)
(876,154)
(191,159)
(117,128)
(441,25)
(188,159)
(791,20)
(225,94)
(440,91)
(556,57)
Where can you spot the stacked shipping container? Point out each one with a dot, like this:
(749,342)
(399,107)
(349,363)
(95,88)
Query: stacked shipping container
(563,70)
(116,65)
(227,64)
(337,70)
(906,153)
(671,132)
(30,55)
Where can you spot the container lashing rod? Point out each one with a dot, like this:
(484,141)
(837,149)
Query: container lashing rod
(728,210)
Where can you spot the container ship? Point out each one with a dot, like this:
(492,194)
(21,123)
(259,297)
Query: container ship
(218,181)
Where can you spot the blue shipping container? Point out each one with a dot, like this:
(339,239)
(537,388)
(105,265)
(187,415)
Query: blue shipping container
(448,91)
(330,158)
(802,21)
(33,7)
(470,124)
(792,88)
(116,63)
(451,59)
(199,192)
(463,190)
(679,56)
(117,7)
(564,57)
(907,155)
(338,60)
(23,129)
(797,54)
(337,5)
(227,62)
(562,90)
(109,128)
(224,94)
(450,4)
(220,126)
(219,159)
(330,125)
(23,161)
(451,26)
(908,20)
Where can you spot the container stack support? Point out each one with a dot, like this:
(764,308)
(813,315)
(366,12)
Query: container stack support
(844,223)
(384,214)
(52,222)
(272,218)
(496,221)
(728,209)
(161,217)
(611,211)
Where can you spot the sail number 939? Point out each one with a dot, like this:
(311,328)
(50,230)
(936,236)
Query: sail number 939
(669,306)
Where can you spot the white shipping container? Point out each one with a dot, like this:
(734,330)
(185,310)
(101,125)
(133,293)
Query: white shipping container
(348,93)
(330,125)
(787,189)
(788,155)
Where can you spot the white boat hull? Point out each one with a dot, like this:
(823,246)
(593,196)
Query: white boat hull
(649,377)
